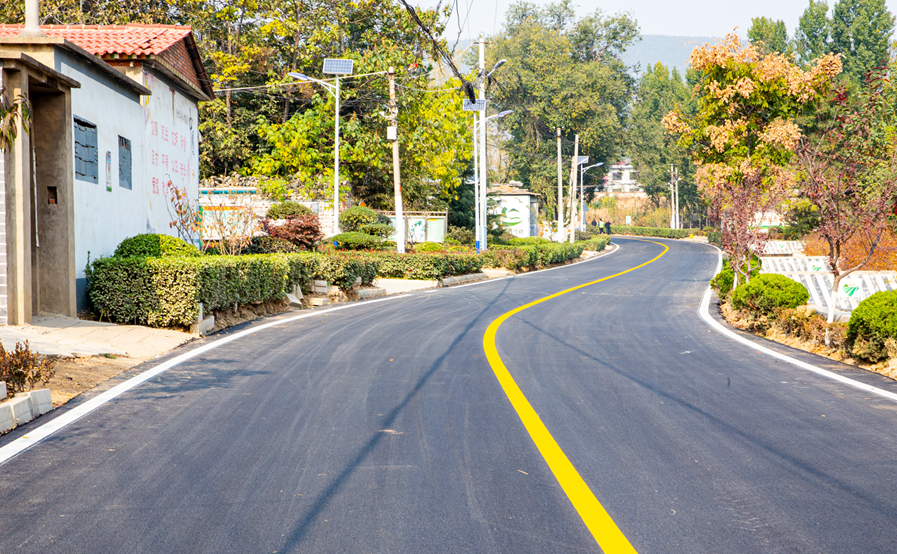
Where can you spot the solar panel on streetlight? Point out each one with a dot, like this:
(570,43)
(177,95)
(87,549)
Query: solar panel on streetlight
(334,66)
(469,106)
(582,160)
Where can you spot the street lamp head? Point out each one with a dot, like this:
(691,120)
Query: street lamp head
(504,113)
(498,64)
(300,76)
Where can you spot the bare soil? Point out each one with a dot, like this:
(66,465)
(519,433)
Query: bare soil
(888,368)
(76,375)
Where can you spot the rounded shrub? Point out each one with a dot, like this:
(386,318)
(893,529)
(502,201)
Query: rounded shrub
(154,245)
(356,217)
(764,293)
(871,324)
(287,209)
(461,234)
(382,230)
(354,241)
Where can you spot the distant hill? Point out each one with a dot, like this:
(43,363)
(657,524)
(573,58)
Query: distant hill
(670,51)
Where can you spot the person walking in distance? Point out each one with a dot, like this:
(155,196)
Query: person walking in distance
(607,227)
(600,224)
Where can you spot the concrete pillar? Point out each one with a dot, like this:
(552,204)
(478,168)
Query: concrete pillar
(18,208)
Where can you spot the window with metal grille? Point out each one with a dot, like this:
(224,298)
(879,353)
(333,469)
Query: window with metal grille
(87,161)
(124,163)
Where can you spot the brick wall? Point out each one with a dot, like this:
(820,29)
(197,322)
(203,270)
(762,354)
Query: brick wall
(177,57)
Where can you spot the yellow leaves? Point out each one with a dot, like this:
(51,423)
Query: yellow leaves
(781,133)
(674,125)
(721,53)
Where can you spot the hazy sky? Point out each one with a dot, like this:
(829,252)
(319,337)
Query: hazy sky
(655,17)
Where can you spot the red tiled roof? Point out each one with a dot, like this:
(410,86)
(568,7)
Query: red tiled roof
(133,39)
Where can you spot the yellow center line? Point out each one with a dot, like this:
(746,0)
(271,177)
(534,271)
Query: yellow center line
(603,529)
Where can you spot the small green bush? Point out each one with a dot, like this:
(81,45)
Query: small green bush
(596,243)
(287,209)
(153,245)
(270,245)
(871,324)
(354,241)
(356,217)
(429,247)
(766,292)
(382,230)
(461,234)
(655,232)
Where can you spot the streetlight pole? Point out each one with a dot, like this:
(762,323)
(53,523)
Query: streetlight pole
(480,219)
(485,169)
(476,186)
(335,67)
(582,171)
(397,181)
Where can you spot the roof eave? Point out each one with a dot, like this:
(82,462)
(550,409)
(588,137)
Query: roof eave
(95,61)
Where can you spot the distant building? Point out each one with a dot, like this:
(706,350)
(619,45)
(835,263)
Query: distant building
(621,178)
(114,128)
(518,207)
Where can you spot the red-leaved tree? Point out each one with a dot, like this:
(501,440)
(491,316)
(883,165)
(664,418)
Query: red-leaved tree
(849,172)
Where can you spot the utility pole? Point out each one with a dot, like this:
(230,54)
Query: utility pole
(393,134)
(476,186)
(484,163)
(573,164)
(561,234)
(672,200)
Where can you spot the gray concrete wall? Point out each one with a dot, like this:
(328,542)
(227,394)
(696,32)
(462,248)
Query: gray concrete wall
(4,313)
(55,255)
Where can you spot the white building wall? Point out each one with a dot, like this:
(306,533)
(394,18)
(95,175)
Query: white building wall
(106,213)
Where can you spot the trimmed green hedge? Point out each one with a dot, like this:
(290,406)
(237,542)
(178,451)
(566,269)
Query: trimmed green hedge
(523,241)
(163,292)
(354,241)
(872,323)
(768,291)
(424,265)
(155,246)
(533,256)
(596,243)
(654,232)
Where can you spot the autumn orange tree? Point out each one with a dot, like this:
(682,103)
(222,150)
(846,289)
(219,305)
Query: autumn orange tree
(743,135)
(849,173)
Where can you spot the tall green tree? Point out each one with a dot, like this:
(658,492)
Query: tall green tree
(861,31)
(769,36)
(653,150)
(813,34)
(566,73)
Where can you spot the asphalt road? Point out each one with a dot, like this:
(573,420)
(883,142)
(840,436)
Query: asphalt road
(382,428)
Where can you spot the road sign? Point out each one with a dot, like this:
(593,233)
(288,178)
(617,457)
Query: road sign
(479,106)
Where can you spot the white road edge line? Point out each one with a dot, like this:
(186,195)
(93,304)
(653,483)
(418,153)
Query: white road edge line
(37,435)
(704,312)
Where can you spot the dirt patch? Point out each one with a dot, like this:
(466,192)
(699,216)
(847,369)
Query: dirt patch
(76,375)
